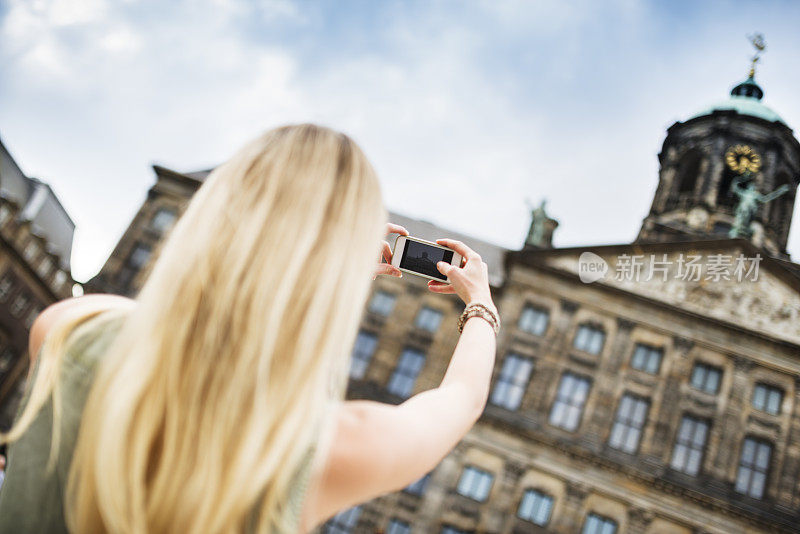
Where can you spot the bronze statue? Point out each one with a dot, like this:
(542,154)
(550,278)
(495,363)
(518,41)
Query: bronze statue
(538,219)
(749,199)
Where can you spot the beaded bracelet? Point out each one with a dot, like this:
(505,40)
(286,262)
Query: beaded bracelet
(476,309)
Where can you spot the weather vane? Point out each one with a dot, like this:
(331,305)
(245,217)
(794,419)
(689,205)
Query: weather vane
(757,40)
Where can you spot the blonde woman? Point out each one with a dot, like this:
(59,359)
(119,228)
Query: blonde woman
(213,402)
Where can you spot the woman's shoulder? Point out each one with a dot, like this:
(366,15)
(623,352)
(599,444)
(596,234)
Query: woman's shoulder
(68,319)
(91,339)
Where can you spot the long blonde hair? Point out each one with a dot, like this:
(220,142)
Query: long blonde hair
(216,386)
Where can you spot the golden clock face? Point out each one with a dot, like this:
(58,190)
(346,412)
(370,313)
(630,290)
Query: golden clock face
(742,158)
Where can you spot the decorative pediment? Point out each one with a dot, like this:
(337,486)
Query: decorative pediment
(733,284)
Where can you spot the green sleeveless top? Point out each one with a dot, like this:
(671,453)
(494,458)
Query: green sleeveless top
(31,497)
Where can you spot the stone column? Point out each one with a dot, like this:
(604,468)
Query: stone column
(573,512)
(504,508)
(544,376)
(604,387)
(670,401)
(443,479)
(562,326)
(730,424)
(665,191)
(716,169)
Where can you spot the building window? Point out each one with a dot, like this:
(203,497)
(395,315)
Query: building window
(418,486)
(125,276)
(163,220)
(689,170)
(405,374)
(136,260)
(30,250)
(5,214)
(533,320)
(687,456)
(646,358)
(428,319)
(59,279)
(382,303)
(535,507)
(589,339)
(725,194)
(597,524)
(450,529)
(363,350)
(767,398)
(19,304)
(343,522)
(139,256)
(6,359)
(6,286)
(398,527)
(475,483)
(628,424)
(512,382)
(32,315)
(570,398)
(753,467)
(706,378)
(45,267)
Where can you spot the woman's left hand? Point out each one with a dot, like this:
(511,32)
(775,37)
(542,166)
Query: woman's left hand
(386,253)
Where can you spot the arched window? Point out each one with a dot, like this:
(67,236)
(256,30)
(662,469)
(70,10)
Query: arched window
(689,171)
(725,196)
(535,507)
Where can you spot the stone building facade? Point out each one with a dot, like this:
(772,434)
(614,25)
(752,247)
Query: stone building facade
(125,269)
(646,401)
(35,247)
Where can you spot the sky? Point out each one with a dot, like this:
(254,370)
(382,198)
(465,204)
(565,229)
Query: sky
(467,109)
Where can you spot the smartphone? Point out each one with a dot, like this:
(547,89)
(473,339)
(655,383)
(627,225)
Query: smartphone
(417,256)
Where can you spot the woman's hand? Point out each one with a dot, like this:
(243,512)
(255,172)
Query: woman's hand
(386,253)
(470,282)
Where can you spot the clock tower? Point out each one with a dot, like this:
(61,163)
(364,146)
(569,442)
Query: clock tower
(705,160)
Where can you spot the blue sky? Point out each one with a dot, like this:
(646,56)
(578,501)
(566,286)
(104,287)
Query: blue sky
(465,108)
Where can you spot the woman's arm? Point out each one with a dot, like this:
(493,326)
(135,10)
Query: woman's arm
(378,448)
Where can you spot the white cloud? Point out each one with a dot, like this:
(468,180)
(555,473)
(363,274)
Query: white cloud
(72,12)
(121,40)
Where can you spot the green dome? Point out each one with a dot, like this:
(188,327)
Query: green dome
(744,105)
(745,99)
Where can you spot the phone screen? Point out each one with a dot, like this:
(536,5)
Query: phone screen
(422,258)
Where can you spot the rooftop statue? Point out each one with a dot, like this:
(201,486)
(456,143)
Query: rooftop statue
(538,219)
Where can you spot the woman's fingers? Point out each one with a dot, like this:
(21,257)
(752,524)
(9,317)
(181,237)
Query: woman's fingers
(440,287)
(459,247)
(385,268)
(392,228)
(386,252)
(445,268)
